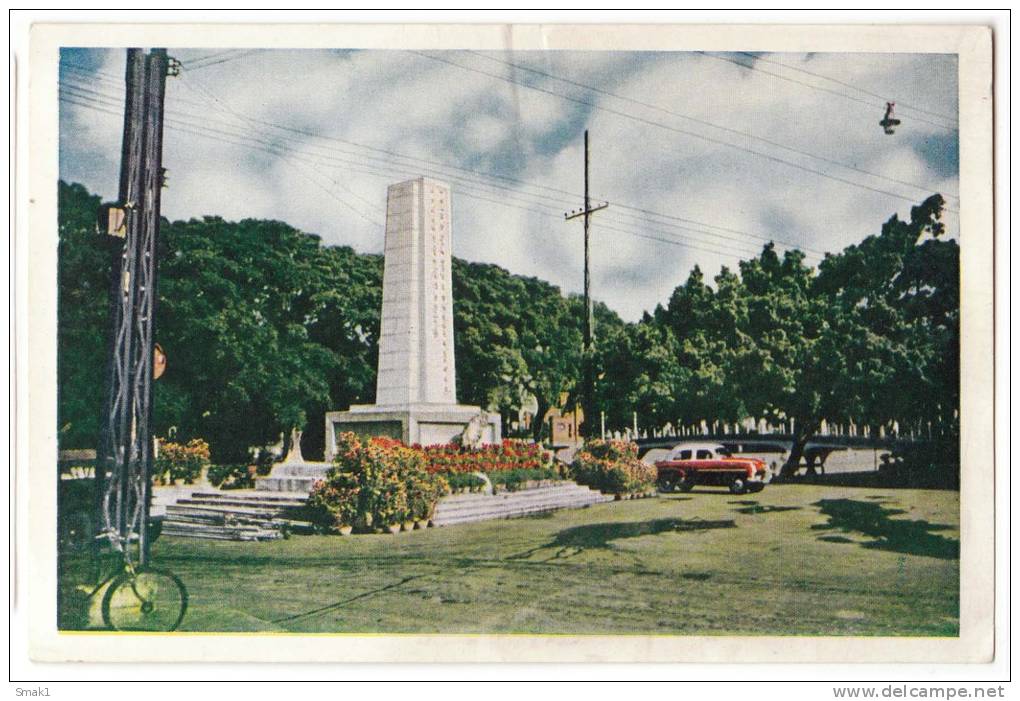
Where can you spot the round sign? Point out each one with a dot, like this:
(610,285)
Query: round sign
(158,362)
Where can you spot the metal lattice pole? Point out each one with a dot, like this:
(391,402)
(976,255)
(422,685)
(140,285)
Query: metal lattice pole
(126,447)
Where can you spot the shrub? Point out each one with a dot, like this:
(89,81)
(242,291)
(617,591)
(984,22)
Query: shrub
(334,503)
(232,476)
(460,480)
(375,483)
(513,480)
(612,467)
(180,462)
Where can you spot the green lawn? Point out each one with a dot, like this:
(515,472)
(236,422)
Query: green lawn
(792,560)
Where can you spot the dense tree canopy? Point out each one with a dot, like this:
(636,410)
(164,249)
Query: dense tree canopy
(265,328)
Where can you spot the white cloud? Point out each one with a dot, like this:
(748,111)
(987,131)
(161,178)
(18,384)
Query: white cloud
(725,200)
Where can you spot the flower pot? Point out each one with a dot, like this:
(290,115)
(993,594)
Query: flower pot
(421,524)
(408,525)
(393,528)
(345,530)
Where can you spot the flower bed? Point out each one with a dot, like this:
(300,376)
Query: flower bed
(175,461)
(378,484)
(489,459)
(612,467)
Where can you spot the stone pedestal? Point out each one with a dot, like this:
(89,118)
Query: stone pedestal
(427,424)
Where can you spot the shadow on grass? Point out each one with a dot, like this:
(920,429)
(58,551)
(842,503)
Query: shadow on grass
(898,535)
(753,508)
(869,479)
(600,536)
(337,604)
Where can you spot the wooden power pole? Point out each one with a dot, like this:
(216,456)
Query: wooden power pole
(588,370)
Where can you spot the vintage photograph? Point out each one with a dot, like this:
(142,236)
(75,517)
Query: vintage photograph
(508,342)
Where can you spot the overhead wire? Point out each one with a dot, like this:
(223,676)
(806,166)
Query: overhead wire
(820,88)
(650,122)
(650,216)
(703,122)
(884,98)
(441,167)
(471,194)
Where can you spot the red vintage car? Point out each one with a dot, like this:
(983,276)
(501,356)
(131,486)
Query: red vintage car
(689,464)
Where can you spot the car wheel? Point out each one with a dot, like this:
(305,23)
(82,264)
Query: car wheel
(666,485)
(686,484)
(737,486)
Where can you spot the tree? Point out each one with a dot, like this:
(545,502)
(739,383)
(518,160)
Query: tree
(84,261)
(859,340)
(235,304)
(903,287)
(517,337)
(344,316)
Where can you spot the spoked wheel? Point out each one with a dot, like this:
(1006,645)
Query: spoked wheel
(148,600)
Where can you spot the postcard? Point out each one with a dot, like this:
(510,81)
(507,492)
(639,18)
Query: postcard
(510,343)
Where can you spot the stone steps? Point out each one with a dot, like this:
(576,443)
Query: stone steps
(253,502)
(287,484)
(297,477)
(213,532)
(468,508)
(304,469)
(264,515)
(236,515)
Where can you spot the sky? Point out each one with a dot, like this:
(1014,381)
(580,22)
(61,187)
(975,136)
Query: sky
(703,158)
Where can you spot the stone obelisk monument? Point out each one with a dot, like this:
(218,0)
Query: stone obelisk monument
(416,384)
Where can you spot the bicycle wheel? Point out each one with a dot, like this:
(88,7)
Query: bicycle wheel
(148,600)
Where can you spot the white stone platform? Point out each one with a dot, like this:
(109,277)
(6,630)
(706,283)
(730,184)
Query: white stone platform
(468,508)
(293,477)
(425,424)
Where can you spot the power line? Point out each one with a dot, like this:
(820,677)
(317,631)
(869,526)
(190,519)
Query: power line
(644,218)
(787,78)
(678,130)
(234,57)
(207,57)
(704,122)
(433,165)
(883,98)
(268,148)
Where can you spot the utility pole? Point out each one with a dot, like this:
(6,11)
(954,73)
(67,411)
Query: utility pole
(588,371)
(125,454)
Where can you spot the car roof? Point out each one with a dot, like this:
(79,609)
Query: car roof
(698,446)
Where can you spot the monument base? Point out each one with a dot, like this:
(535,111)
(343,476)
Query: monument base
(425,424)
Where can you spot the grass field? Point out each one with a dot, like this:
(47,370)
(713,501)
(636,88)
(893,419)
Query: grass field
(792,560)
